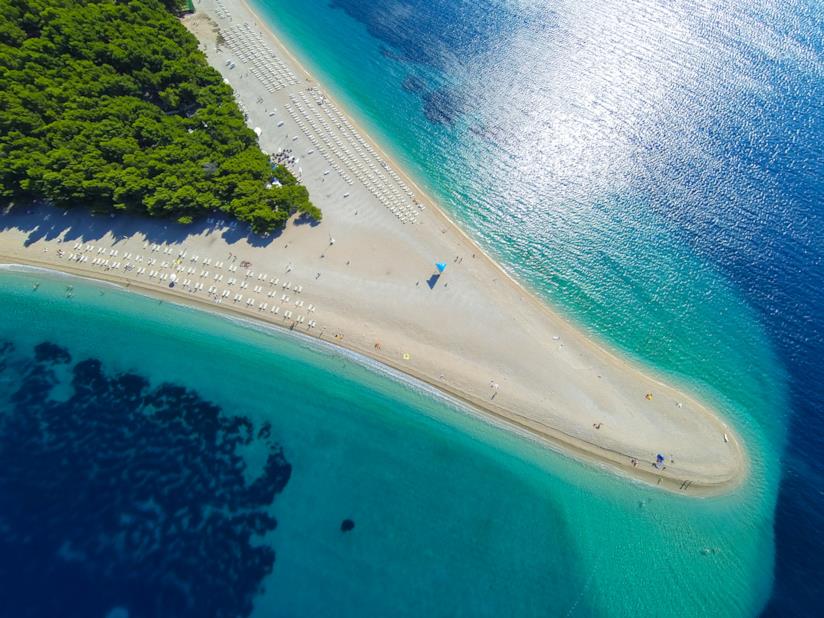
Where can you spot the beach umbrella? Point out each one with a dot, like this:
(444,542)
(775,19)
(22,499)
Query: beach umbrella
(173,277)
(440,266)
(660,458)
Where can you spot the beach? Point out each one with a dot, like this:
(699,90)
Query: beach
(366,279)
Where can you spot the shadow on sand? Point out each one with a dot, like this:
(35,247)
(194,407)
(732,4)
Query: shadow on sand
(304,219)
(433,280)
(44,222)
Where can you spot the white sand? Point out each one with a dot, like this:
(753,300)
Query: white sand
(476,326)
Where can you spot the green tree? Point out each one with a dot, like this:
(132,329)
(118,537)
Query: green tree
(110,105)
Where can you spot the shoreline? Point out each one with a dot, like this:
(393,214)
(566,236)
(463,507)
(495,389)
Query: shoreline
(277,38)
(560,443)
(593,338)
(464,333)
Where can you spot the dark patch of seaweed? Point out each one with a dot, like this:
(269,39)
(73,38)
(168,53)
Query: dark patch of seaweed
(128,496)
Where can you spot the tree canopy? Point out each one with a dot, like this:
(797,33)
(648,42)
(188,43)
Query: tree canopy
(110,104)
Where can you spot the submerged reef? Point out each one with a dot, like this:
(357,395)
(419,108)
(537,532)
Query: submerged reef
(122,495)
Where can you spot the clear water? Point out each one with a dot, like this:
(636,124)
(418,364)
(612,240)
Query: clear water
(652,169)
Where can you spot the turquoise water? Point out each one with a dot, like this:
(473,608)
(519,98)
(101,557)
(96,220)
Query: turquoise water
(452,516)
(652,170)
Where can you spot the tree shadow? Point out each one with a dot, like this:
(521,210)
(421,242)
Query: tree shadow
(233,231)
(304,219)
(39,221)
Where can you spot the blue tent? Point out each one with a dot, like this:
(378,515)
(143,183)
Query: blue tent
(440,266)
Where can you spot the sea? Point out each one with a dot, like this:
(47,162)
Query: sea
(653,169)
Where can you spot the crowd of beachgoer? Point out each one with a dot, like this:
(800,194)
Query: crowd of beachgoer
(284,157)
